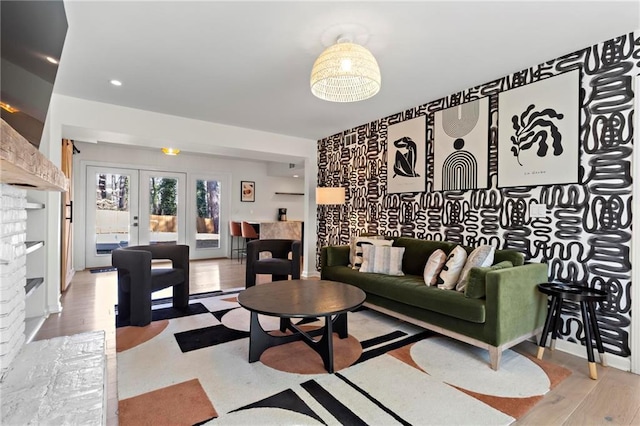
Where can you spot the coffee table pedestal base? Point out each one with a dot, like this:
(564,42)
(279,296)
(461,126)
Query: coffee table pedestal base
(260,340)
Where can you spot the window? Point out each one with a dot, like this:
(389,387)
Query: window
(208,214)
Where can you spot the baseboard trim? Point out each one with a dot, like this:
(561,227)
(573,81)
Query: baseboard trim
(615,361)
(307,274)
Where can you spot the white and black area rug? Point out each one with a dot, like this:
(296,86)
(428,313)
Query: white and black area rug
(193,369)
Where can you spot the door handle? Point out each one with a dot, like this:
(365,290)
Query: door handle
(70,218)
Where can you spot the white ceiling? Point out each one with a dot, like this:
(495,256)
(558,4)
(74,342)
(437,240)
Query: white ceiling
(247,64)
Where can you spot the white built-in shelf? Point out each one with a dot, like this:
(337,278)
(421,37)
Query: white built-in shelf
(34,206)
(33,246)
(289,193)
(32,285)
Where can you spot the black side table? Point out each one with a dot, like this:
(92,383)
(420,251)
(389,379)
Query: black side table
(587,297)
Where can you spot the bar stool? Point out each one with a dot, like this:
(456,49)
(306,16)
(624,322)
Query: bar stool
(587,298)
(235,231)
(248,233)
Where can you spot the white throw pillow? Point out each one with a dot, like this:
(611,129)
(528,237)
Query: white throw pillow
(434,266)
(481,256)
(382,259)
(354,241)
(448,277)
(356,248)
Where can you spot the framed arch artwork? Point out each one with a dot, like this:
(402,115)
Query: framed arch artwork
(461,147)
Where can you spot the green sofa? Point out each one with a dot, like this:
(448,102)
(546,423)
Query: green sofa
(513,309)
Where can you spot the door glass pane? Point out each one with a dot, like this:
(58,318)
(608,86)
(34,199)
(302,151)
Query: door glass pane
(208,208)
(163,210)
(112,212)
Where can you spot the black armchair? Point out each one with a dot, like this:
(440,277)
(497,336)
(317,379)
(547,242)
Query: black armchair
(278,265)
(136,279)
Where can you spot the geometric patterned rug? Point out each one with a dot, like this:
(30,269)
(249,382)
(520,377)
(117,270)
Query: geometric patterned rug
(193,369)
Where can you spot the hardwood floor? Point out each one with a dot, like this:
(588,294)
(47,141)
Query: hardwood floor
(612,399)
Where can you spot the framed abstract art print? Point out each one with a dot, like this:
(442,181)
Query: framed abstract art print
(538,132)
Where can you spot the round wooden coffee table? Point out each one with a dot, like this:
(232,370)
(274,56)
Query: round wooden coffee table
(300,299)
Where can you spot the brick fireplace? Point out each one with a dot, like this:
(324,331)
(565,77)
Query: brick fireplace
(13,227)
(22,166)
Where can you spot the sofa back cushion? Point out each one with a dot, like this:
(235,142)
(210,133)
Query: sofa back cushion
(476,287)
(418,251)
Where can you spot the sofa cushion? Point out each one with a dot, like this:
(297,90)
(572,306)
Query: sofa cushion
(476,287)
(512,256)
(434,266)
(382,260)
(410,290)
(335,256)
(448,277)
(356,248)
(418,251)
(482,256)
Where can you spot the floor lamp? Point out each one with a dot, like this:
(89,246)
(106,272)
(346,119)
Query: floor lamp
(325,197)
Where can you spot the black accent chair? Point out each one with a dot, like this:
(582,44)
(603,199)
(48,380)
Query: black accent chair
(278,265)
(136,279)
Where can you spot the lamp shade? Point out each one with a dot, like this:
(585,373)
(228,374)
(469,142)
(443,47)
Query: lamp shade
(330,195)
(345,72)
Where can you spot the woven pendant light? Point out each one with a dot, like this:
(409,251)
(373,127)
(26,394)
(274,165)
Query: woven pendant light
(345,72)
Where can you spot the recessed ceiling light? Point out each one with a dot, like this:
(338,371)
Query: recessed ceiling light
(52,60)
(296,176)
(116,82)
(8,107)
(171,151)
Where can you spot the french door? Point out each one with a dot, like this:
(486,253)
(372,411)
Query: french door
(127,207)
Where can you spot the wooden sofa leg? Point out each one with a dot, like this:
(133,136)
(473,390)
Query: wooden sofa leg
(494,355)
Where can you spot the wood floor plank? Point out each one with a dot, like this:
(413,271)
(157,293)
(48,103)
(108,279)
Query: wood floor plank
(615,400)
(560,403)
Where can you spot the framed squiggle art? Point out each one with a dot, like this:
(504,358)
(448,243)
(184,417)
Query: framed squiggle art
(461,147)
(538,132)
(407,156)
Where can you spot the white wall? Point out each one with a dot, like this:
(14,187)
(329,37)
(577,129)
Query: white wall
(263,209)
(83,120)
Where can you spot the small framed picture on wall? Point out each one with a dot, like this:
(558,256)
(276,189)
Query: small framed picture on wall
(247,191)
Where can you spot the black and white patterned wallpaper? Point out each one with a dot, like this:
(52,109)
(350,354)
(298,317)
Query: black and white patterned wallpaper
(585,237)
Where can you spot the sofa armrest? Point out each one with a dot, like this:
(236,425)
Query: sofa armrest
(334,256)
(514,306)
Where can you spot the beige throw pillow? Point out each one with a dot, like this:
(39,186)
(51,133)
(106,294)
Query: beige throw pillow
(356,248)
(434,266)
(382,260)
(448,277)
(480,257)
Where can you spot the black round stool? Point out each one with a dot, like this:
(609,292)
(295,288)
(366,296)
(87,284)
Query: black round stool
(587,297)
